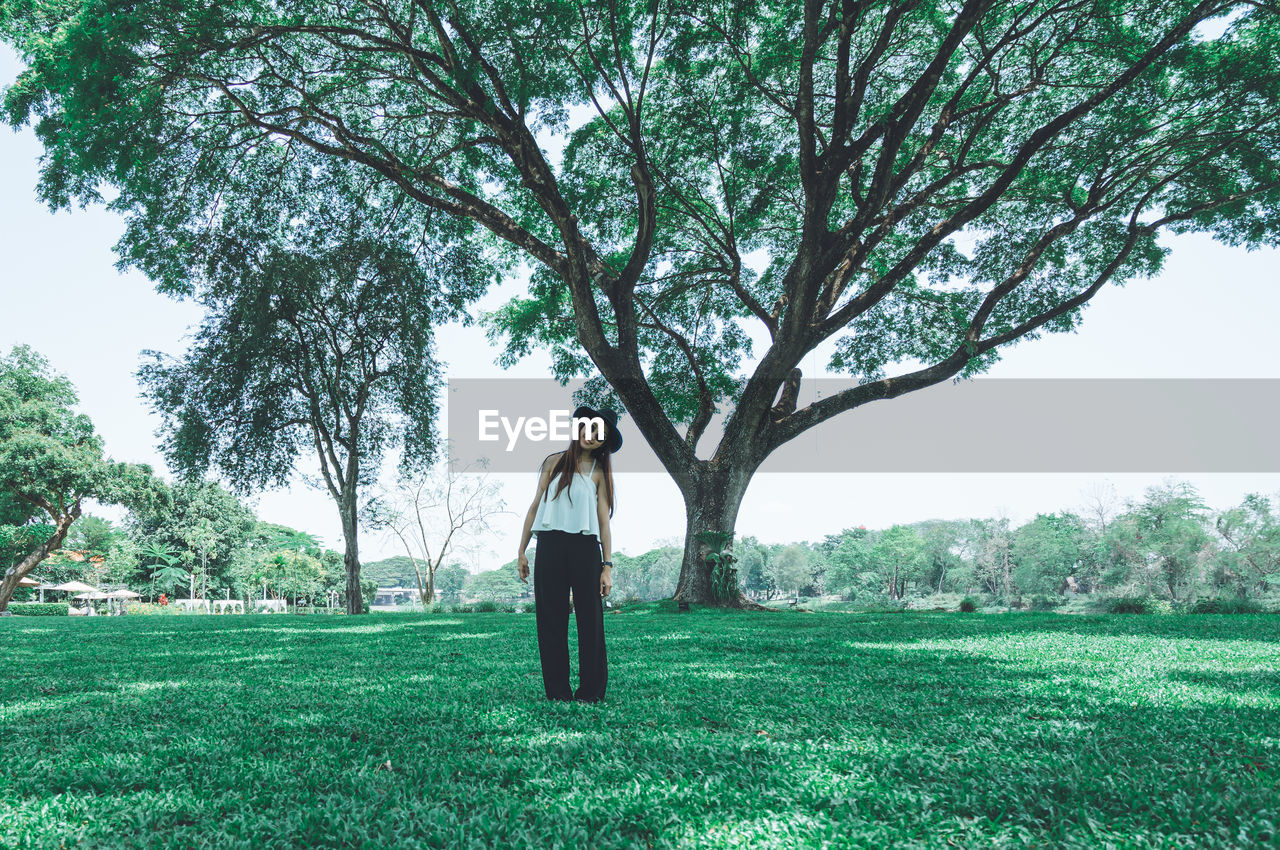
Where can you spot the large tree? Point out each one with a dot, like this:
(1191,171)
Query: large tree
(51,464)
(321,296)
(927,181)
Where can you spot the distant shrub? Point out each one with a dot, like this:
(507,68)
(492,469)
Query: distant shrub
(150,608)
(887,606)
(935,602)
(1042,602)
(1225,605)
(877,603)
(492,606)
(1082,604)
(1129,605)
(968,605)
(39,609)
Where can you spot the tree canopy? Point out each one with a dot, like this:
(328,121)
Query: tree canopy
(318,335)
(918,183)
(51,463)
(322,296)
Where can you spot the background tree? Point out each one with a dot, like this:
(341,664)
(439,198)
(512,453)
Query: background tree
(940,541)
(96,552)
(1124,562)
(849,556)
(271,537)
(1160,545)
(51,464)
(898,556)
(321,295)
(156,555)
(1048,553)
(203,528)
(650,575)
(435,514)
(289,574)
(927,182)
(1100,505)
(1250,559)
(1172,531)
(500,585)
(93,534)
(790,570)
(169,578)
(989,541)
(450,580)
(396,571)
(752,564)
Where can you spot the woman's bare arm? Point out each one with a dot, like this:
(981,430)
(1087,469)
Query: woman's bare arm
(544,481)
(602,513)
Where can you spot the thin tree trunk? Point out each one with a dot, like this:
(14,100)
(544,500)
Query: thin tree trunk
(351,557)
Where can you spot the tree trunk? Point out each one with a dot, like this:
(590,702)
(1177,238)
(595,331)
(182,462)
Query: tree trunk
(712,507)
(29,563)
(351,557)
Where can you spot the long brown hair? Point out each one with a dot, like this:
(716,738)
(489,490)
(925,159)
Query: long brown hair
(567,465)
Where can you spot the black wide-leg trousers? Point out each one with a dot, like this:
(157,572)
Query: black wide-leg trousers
(564,561)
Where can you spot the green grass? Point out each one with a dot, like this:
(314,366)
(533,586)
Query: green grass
(719,729)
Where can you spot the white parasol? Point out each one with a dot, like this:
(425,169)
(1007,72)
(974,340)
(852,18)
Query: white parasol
(77,586)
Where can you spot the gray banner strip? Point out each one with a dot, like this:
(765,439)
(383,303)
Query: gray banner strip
(1165,425)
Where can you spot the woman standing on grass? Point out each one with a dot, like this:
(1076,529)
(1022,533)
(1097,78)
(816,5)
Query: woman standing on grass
(573,531)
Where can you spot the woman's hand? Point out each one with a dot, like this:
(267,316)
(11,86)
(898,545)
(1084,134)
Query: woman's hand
(523,561)
(606,582)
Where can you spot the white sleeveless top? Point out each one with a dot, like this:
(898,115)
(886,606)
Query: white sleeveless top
(559,514)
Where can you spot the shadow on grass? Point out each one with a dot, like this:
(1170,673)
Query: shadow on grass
(815,727)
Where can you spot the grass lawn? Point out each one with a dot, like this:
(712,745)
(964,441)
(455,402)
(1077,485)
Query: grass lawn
(719,729)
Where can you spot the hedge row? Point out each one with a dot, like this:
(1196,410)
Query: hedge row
(39,609)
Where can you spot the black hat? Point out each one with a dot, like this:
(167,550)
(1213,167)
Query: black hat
(610,417)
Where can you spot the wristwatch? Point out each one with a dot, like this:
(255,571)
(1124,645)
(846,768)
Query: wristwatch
(607,563)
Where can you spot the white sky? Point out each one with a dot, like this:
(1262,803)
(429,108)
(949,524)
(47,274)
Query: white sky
(1211,314)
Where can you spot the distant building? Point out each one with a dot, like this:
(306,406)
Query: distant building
(395,595)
